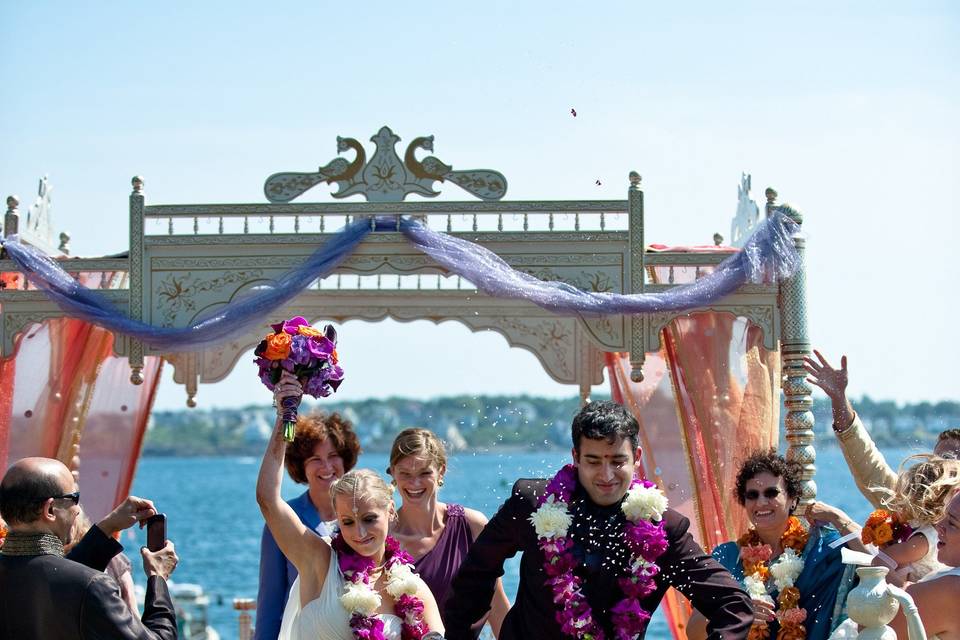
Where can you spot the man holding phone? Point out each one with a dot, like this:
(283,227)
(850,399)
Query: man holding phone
(47,595)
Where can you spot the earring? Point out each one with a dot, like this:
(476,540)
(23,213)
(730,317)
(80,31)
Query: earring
(440,482)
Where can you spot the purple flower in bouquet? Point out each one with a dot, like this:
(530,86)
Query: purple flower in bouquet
(307,353)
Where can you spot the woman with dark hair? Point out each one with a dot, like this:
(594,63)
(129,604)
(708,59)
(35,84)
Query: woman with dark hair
(798,583)
(325,447)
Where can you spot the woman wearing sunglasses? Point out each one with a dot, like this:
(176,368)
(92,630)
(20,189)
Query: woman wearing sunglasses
(797,582)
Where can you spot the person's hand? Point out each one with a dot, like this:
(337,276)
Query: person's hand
(160,563)
(130,512)
(838,518)
(832,381)
(763,611)
(287,387)
(834,384)
(822,512)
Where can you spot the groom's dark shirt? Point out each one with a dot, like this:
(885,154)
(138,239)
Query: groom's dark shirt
(598,535)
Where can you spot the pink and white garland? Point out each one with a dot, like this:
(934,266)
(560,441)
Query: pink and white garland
(362,600)
(644,534)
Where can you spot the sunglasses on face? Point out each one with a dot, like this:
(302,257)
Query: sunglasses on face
(769,493)
(73,497)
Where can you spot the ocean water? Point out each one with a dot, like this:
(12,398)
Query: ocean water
(214,521)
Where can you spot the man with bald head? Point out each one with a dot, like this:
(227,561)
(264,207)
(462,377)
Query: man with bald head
(49,596)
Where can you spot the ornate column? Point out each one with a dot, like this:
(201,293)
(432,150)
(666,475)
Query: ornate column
(135,347)
(794,346)
(638,347)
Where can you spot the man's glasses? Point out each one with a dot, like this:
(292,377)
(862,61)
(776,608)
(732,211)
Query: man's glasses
(74,497)
(769,493)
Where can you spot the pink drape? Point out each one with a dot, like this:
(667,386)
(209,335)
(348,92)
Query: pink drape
(64,395)
(709,397)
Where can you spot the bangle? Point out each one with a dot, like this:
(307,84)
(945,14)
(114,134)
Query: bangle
(838,430)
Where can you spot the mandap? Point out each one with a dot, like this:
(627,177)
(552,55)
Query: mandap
(698,341)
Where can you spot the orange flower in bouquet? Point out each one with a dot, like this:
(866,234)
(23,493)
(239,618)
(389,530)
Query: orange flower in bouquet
(884,528)
(278,346)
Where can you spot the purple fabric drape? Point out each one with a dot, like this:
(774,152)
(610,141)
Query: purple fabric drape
(768,255)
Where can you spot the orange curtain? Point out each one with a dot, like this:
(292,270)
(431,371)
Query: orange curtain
(64,395)
(709,397)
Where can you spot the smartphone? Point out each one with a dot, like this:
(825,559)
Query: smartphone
(157,532)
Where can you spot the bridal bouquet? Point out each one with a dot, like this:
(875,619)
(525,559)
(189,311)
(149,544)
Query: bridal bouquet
(307,353)
(884,528)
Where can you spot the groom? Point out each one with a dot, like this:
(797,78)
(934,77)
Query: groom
(604,452)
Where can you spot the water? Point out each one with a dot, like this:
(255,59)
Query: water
(213,518)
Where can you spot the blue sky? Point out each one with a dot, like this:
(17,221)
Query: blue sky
(848,109)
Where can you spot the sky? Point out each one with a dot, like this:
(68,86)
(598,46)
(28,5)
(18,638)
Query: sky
(848,109)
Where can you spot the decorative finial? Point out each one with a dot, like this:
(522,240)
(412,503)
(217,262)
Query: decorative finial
(12,202)
(137,182)
(385,177)
(136,375)
(635,179)
(64,242)
(771,195)
(636,375)
(717,239)
(192,401)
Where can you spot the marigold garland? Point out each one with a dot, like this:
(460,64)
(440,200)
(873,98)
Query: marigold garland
(754,555)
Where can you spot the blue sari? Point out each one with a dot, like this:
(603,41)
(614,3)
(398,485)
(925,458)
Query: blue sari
(823,583)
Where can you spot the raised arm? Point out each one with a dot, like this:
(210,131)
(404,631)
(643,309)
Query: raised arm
(869,468)
(304,548)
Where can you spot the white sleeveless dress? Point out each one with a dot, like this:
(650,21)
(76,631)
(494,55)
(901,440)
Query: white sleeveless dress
(324,618)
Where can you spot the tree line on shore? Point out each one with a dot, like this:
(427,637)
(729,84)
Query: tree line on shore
(483,422)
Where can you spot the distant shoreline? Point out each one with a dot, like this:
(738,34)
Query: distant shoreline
(503,424)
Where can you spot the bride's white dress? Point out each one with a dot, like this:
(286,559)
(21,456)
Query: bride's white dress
(324,618)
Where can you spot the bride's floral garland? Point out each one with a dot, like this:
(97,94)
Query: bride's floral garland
(644,534)
(755,555)
(361,599)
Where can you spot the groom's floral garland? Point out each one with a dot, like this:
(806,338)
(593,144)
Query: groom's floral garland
(754,555)
(361,599)
(644,534)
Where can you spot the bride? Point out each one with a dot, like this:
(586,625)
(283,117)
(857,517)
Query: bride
(360,585)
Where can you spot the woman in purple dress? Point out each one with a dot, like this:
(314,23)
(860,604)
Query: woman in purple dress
(438,535)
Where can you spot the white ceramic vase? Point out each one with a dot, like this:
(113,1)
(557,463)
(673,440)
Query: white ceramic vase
(874,603)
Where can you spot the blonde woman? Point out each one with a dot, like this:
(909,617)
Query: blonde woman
(361,582)
(437,534)
(924,487)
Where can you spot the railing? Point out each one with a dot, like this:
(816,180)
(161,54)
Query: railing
(454,217)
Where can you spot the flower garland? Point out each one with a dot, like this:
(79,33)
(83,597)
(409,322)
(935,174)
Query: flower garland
(884,528)
(755,555)
(361,599)
(643,505)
